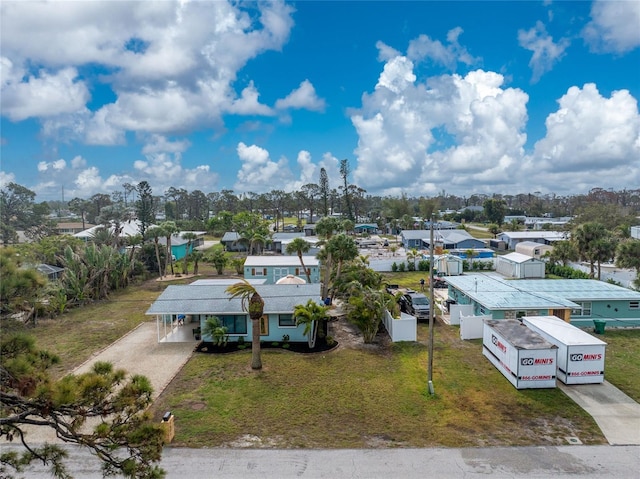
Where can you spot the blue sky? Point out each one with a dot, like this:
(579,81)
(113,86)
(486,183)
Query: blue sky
(420,97)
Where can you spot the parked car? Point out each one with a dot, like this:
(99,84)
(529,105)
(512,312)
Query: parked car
(416,304)
(439,282)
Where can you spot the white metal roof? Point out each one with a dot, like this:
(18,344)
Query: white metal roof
(519,258)
(280,260)
(562,331)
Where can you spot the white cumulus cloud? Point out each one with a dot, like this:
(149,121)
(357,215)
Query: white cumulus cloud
(304,97)
(615,26)
(546,53)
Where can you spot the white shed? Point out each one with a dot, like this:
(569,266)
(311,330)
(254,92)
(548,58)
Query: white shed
(520,266)
(533,249)
(448,264)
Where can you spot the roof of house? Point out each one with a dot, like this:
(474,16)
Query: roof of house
(277,237)
(495,292)
(415,234)
(230,236)
(177,239)
(453,236)
(208,299)
(129,228)
(280,260)
(519,258)
(548,235)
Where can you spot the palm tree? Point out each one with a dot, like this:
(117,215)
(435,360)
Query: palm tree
(213,327)
(589,241)
(310,315)
(196,256)
(299,246)
(169,228)
(563,252)
(253,303)
(412,255)
(628,256)
(470,253)
(342,248)
(155,233)
(189,236)
(325,229)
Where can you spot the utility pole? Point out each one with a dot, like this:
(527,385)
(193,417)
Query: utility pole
(431,310)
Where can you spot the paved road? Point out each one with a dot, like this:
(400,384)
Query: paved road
(575,462)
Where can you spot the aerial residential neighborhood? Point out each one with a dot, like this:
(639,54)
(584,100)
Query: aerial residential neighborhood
(376,239)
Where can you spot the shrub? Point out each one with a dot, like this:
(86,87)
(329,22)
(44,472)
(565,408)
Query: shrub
(402,267)
(423,265)
(394,267)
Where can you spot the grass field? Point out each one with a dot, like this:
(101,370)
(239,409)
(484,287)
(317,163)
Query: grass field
(369,397)
(365,397)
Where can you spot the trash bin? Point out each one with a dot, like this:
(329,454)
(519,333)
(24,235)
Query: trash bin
(598,326)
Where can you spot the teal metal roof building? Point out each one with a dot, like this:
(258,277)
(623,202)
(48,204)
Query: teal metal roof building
(579,300)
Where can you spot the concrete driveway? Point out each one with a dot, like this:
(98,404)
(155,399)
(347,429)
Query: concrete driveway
(137,352)
(617,415)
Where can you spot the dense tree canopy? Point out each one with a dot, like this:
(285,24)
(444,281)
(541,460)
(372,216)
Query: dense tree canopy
(102,410)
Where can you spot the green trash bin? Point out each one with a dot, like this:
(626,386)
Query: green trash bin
(598,326)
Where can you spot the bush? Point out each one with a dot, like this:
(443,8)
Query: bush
(423,265)
(402,267)
(411,266)
(394,267)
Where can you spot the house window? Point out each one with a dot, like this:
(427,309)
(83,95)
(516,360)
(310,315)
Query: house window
(286,321)
(235,323)
(583,310)
(634,304)
(258,271)
(264,325)
(520,314)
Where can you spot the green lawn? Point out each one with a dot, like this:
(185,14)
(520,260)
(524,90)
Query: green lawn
(358,398)
(622,361)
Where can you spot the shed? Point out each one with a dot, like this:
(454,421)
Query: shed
(533,249)
(448,264)
(520,266)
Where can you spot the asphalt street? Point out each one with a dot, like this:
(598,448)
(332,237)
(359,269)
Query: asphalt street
(576,462)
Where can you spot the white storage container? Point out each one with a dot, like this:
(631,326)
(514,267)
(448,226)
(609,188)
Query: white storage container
(580,355)
(524,357)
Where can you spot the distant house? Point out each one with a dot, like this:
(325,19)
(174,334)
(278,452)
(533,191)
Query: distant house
(369,228)
(455,239)
(272,268)
(419,239)
(231,242)
(512,238)
(179,244)
(197,301)
(520,266)
(579,301)
(129,228)
(533,249)
(279,242)
(71,228)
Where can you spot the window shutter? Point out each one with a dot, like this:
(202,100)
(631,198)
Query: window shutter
(264,271)
(253,271)
(297,271)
